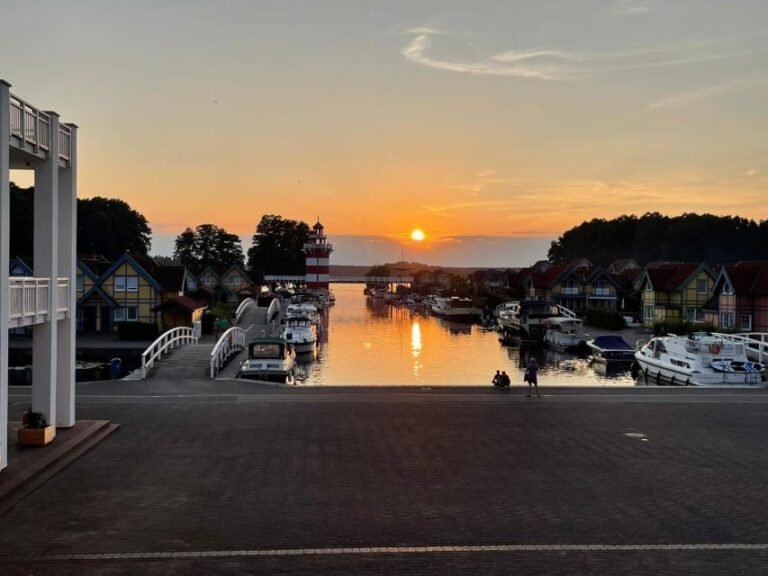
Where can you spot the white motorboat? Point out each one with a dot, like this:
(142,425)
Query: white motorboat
(565,334)
(526,322)
(439,306)
(700,359)
(303,310)
(269,359)
(456,308)
(300,332)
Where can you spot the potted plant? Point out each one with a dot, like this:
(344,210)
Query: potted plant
(35,430)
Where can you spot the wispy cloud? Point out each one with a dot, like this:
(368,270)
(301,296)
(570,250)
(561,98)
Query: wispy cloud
(685,98)
(563,65)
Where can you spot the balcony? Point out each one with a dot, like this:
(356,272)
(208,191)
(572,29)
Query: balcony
(31,133)
(30,301)
(571,291)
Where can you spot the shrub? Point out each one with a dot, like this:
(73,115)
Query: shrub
(137,331)
(683,327)
(607,319)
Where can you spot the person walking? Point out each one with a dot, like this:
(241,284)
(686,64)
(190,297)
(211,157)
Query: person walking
(532,377)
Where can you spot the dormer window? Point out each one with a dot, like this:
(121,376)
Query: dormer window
(702,286)
(727,288)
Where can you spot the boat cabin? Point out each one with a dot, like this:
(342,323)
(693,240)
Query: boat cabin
(268,348)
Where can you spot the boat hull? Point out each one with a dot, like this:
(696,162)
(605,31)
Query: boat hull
(656,371)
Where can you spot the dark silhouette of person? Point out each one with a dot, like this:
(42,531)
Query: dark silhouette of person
(532,377)
(496,379)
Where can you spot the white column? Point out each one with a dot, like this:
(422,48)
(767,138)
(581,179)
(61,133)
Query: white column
(5,222)
(65,340)
(46,264)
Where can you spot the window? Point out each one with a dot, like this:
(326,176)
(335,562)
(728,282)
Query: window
(695,315)
(208,280)
(701,286)
(234,280)
(130,314)
(80,287)
(727,288)
(126,283)
(726,319)
(746,322)
(648,312)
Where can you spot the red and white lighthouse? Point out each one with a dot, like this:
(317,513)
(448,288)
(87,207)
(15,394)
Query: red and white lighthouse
(318,266)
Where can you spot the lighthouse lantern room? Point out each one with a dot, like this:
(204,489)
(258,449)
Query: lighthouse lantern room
(318,267)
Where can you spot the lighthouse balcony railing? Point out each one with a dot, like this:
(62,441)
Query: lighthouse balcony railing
(31,130)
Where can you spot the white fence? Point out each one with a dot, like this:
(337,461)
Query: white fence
(32,128)
(755,344)
(30,300)
(233,340)
(170,340)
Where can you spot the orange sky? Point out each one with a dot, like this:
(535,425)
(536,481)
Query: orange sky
(521,119)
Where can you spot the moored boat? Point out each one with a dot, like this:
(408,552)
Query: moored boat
(565,334)
(456,308)
(700,359)
(300,332)
(269,359)
(606,349)
(526,322)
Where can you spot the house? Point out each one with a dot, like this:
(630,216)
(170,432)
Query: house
(488,280)
(231,285)
(19,267)
(740,298)
(577,286)
(675,292)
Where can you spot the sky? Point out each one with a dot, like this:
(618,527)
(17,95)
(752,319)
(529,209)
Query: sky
(494,126)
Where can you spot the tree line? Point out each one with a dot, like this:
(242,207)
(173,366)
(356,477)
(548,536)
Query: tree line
(653,236)
(110,227)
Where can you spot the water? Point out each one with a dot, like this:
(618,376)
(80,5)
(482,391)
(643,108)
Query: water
(380,344)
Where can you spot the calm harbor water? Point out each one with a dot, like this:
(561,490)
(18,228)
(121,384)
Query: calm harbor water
(380,344)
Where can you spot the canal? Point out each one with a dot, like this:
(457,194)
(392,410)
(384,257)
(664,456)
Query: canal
(379,344)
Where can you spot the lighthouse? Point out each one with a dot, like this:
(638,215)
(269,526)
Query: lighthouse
(318,267)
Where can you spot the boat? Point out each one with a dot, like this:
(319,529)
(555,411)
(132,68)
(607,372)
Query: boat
(304,310)
(526,322)
(565,334)
(456,308)
(700,359)
(300,332)
(269,359)
(612,349)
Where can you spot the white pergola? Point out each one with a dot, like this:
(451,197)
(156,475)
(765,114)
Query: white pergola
(31,139)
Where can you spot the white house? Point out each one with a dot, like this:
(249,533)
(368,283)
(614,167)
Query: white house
(31,139)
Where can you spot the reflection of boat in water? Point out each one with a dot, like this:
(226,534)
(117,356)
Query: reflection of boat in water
(269,359)
(456,327)
(610,349)
(701,359)
(565,334)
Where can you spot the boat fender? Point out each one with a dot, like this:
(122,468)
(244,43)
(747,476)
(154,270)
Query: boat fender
(715,348)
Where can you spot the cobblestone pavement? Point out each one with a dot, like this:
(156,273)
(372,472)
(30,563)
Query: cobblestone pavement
(236,467)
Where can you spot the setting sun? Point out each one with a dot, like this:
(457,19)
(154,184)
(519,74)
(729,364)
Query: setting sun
(418,235)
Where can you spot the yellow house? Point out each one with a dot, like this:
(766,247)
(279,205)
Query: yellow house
(676,292)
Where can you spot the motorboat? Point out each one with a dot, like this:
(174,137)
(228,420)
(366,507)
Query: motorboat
(456,308)
(269,359)
(439,306)
(303,310)
(565,334)
(526,323)
(300,332)
(612,349)
(700,359)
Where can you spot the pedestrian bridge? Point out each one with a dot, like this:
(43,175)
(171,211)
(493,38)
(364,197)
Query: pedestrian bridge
(185,353)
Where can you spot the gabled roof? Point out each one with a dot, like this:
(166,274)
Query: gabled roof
(184,302)
(96,289)
(133,261)
(623,264)
(548,278)
(672,277)
(16,261)
(85,269)
(746,277)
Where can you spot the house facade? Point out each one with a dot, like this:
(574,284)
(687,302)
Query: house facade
(740,298)
(676,292)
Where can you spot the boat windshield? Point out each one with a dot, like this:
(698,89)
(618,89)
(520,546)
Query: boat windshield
(265,351)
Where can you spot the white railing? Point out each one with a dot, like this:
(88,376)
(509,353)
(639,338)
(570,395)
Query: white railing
(242,308)
(62,297)
(29,300)
(755,344)
(33,127)
(274,310)
(233,340)
(170,340)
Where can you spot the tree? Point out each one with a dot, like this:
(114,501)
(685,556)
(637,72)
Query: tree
(378,271)
(109,226)
(277,247)
(208,245)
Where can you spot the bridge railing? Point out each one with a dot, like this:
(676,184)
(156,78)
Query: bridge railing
(244,305)
(273,312)
(755,344)
(32,128)
(169,340)
(233,340)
